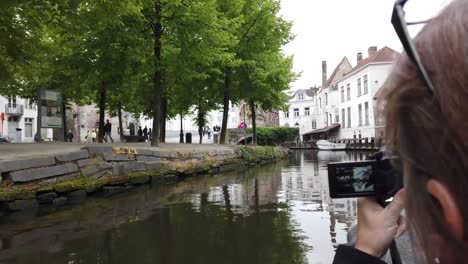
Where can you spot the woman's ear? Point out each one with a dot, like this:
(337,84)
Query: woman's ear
(450,209)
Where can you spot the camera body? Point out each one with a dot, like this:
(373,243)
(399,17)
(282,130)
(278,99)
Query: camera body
(374,178)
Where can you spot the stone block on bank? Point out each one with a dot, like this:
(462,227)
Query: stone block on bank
(89,170)
(133,166)
(144,152)
(118,157)
(148,158)
(86,162)
(72,156)
(158,166)
(166,154)
(41,173)
(14,165)
(98,149)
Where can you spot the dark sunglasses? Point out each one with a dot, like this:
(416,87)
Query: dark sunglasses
(400,25)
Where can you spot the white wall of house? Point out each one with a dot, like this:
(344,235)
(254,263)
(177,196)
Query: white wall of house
(18,114)
(301,111)
(357,121)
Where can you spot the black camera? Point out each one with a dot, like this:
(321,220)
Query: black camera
(375,177)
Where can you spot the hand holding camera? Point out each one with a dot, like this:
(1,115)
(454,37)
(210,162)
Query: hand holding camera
(378,226)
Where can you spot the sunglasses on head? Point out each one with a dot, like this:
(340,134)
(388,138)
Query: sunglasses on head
(400,25)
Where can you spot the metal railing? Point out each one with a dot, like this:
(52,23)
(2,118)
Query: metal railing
(14,109)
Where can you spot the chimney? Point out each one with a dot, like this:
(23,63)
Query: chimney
(359,57)
(324,73)
(372,50)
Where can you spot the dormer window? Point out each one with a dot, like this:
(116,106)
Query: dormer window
(300,97)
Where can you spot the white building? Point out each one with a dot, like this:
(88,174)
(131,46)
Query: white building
(18,113)
(300,112)
(358,90)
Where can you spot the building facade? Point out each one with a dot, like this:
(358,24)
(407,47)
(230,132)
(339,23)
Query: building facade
(359,91)
(300,113)
(18,113)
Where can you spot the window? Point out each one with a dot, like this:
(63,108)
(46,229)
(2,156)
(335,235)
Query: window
(326,116)
(331,119)
(349,117)
(12,102)
(348,92)
(337,119)
(306,111)
(296,112)
(342,94)
(343,123)
(326,99)
(366,111)
(300,96)
(12,119)
(286,114)
(320,103)
(28,131)
(360,114)
(314,124)
(366,90)
(359,87)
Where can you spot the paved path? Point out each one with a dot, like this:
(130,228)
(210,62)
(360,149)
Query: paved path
(24,150)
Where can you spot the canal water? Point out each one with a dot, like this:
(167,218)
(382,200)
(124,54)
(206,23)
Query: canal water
(277,213)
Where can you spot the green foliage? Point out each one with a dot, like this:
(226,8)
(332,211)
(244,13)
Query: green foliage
(273,136)
(252,154)
(85,47)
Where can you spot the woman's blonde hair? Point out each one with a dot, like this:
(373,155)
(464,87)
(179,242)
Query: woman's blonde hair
(430,132)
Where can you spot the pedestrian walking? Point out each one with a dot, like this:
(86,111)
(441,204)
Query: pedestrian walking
(70,136)
(93,136)
(208,131)
(140,132)
(150,134)
(107,131)
(145,133)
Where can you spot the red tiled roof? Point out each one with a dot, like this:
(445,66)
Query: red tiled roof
(385,54)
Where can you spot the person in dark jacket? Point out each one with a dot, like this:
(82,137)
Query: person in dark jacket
(140,132)
(145,133)
(70,136)
(426,121)
(108,131)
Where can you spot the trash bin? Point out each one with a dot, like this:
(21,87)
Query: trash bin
(216,138)
(188,138)
(19,135)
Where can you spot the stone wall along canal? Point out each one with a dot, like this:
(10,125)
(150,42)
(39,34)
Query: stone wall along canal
(70,177)
(276,213)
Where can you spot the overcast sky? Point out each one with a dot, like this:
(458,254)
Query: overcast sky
(331,29)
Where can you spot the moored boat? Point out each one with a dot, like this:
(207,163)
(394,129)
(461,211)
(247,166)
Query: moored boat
(327,145)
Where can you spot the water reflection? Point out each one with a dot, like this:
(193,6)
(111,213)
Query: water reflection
(278,213)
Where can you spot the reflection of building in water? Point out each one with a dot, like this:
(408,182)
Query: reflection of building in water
(257,188)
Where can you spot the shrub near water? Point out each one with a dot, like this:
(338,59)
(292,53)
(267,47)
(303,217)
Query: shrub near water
(273,136)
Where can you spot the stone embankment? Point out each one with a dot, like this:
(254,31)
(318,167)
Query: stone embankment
(105,170)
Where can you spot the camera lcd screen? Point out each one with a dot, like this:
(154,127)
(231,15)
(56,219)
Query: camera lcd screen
(351,179)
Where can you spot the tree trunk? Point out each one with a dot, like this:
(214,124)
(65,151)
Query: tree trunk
(64,120)
(163,119)
(181,135)
(121,131)
(102,111)
(227,97)
(254,122)
(157,81)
